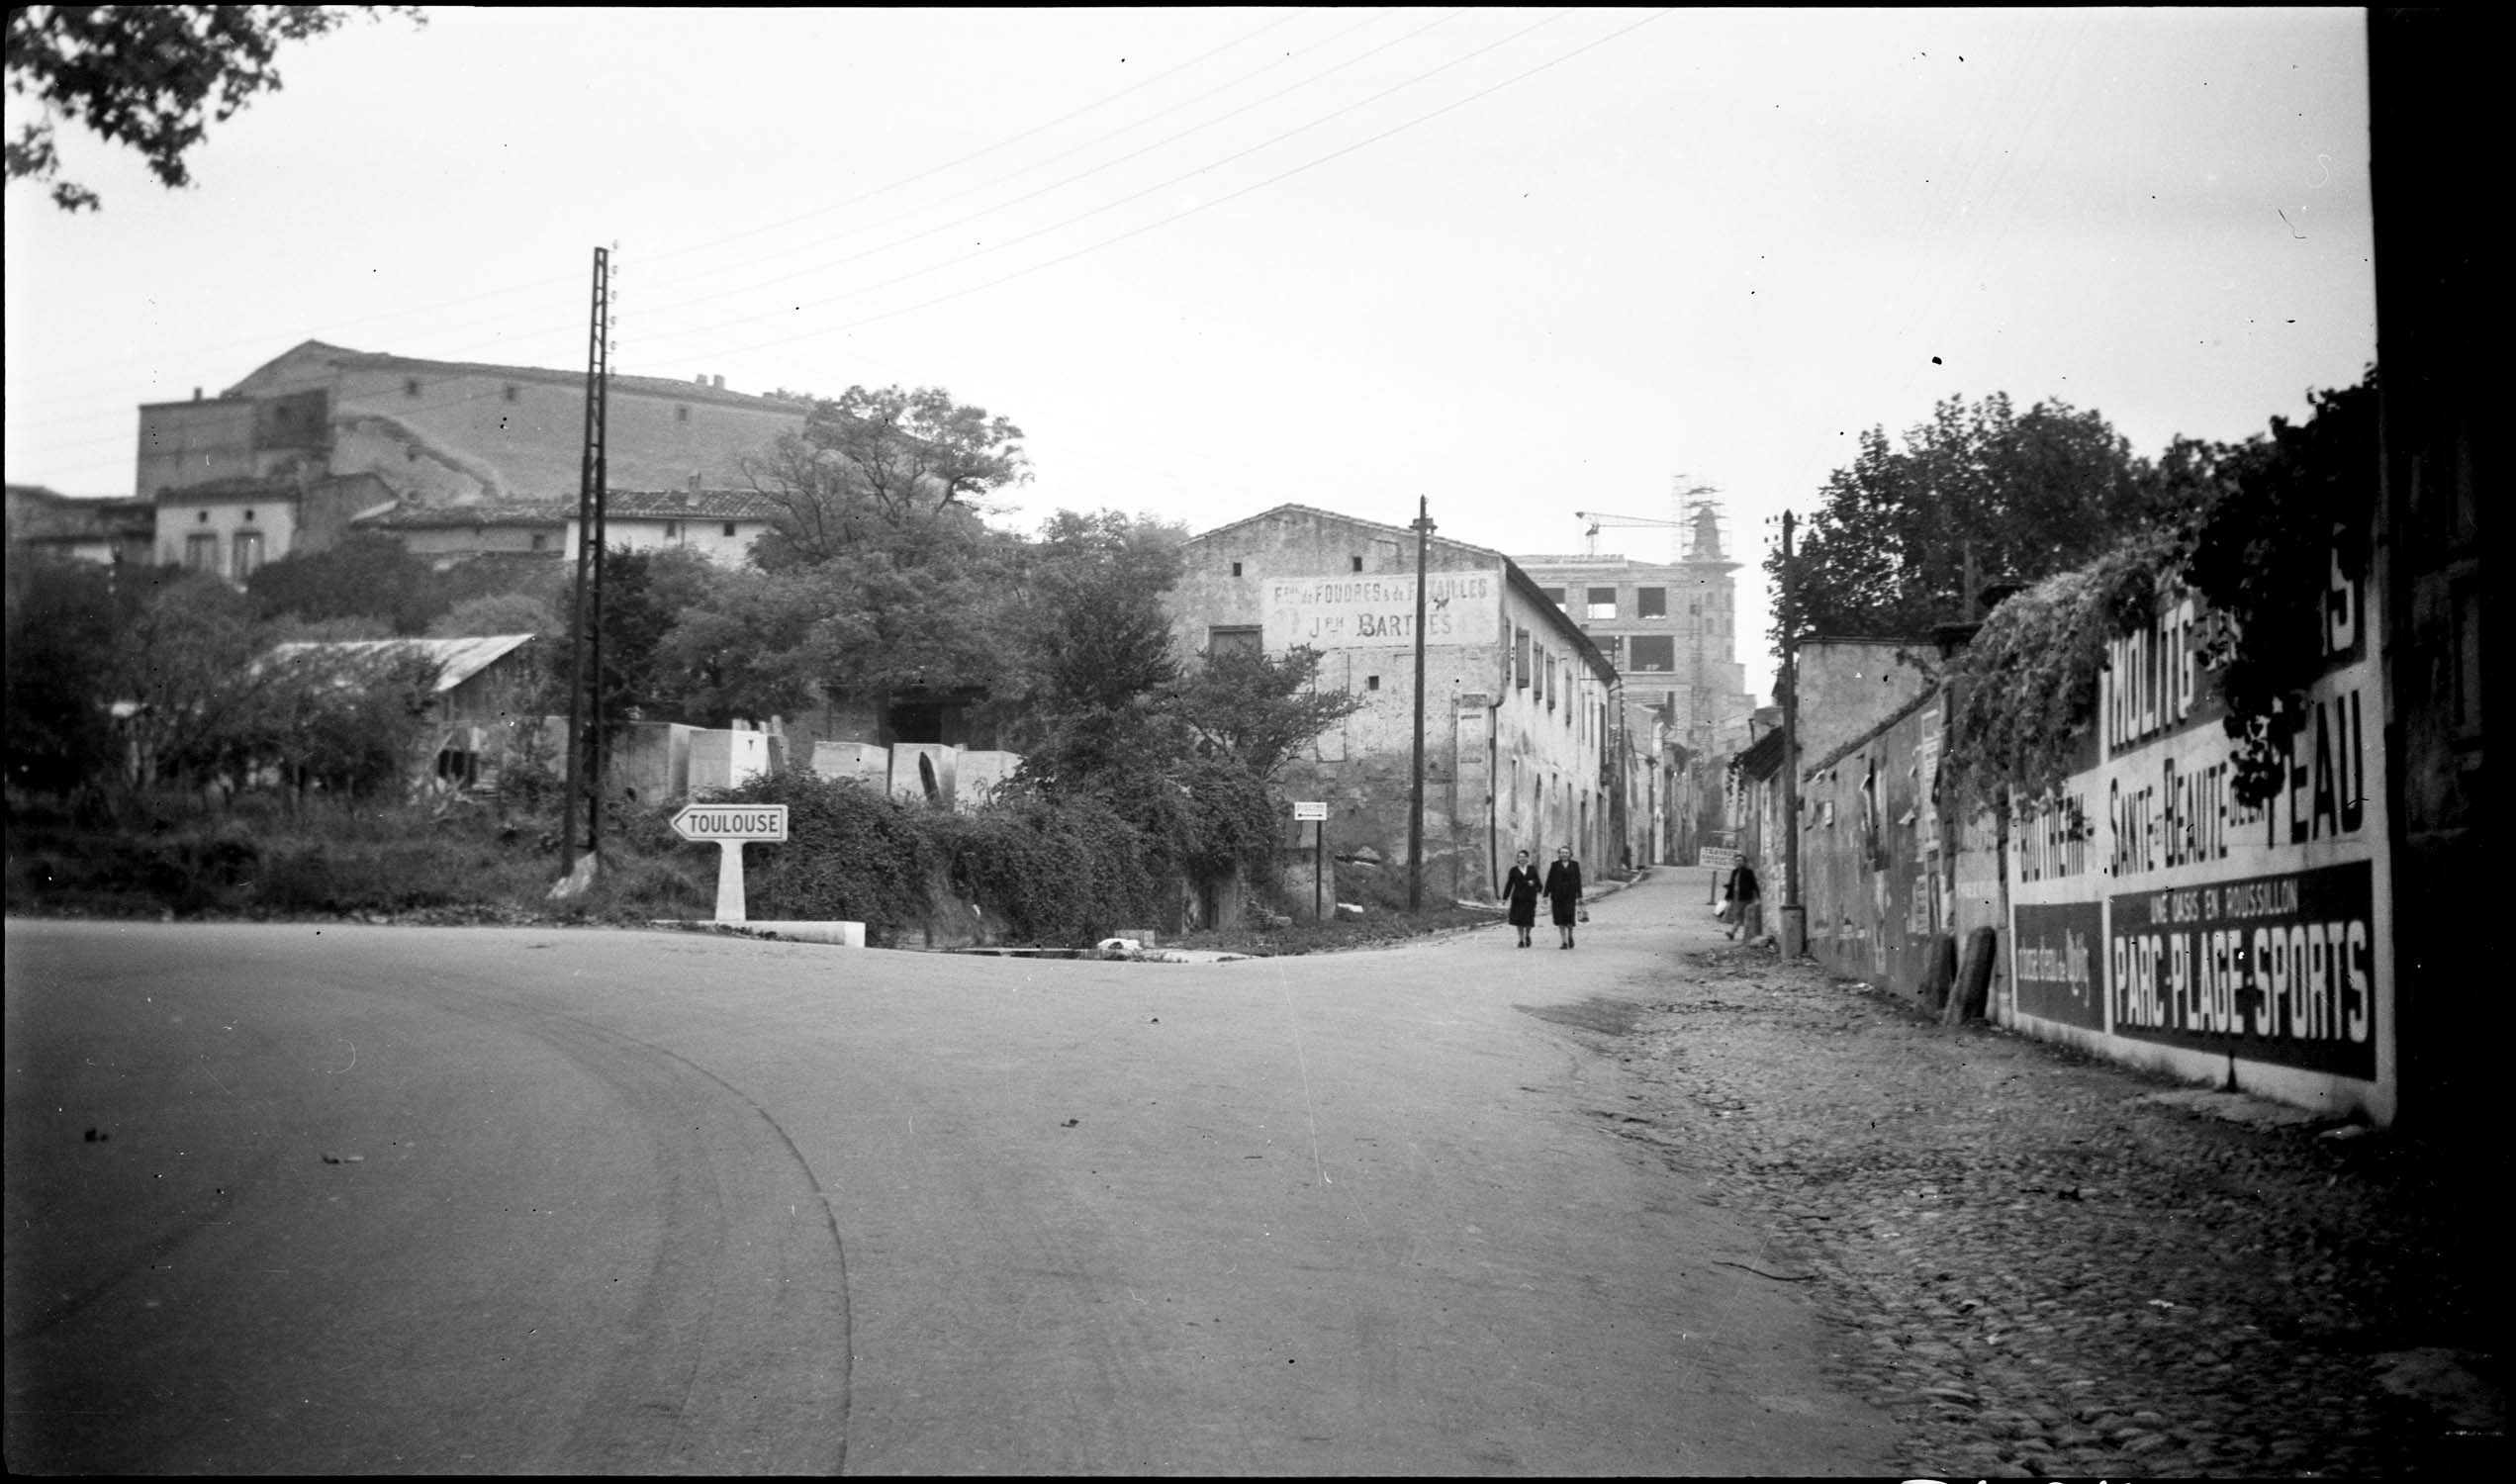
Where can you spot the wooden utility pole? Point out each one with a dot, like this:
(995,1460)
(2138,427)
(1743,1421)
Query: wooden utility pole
(1415,805)
(585,682)
(1795,917)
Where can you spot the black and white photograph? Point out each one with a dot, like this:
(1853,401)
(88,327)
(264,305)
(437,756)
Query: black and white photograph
(819,740)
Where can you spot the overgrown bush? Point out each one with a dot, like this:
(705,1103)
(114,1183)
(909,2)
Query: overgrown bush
(1053,869)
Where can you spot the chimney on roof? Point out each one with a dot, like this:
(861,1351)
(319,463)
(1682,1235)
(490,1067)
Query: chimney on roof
(721,384)
(693,483)
(196,394)
(702,378)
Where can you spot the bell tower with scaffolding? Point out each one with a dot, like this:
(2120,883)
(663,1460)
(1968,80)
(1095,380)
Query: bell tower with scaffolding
(1716,682)
(1670,627)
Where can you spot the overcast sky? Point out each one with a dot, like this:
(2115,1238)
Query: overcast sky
(1523,262)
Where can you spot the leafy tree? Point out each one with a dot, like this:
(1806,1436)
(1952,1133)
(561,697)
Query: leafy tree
(742,649)
(2255,529)
(1260,710)
(872,460)
(352,721)
(1097,653)
(512,614)
(367,575)
(2283,509)
(2029,495)
(152,78)
(180,665)
(288,629)
(61,618)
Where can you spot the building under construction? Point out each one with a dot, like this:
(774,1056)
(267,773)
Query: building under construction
(1669,627)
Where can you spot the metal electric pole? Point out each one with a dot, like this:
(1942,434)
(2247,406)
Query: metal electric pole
(585,683)
(1795,917)
(1415,805)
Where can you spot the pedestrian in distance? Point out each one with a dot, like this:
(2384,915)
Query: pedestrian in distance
(1738,893)
(1563,891)
(1521,887)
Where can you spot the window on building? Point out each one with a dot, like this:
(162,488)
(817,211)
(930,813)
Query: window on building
(542,542)
(1371,683)
(512,392)
(1234,638)
(247,553)
(1235,569)
(672,530)
(201,550)
(410,386)
(1555,596)
(1358,561)
(1650,603)
(1603,603)
(729,528)
(1520,657)
(680,413)
(1654,653)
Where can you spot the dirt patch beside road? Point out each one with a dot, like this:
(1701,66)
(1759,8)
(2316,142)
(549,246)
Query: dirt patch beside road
(2045,1268)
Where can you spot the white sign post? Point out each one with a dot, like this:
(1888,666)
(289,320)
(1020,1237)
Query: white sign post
(731,826)
(1316,811)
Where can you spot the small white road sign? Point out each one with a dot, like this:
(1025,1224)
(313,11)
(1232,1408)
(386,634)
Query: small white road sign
(731,827)
(699,822)
(1311,809)
(1718,858)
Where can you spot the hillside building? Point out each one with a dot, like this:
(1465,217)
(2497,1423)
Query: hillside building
(455,448)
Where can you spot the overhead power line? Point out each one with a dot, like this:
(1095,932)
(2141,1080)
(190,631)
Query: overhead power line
(1202,206)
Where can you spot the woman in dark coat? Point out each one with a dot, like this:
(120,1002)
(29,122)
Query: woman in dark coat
(1563,890)
(1520,893)
(1739,894)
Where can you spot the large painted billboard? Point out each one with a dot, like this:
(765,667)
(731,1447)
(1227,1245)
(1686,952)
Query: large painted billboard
(1377,612)
(2150,907)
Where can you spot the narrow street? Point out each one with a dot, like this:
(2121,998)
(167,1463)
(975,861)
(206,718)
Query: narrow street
(2053,1265)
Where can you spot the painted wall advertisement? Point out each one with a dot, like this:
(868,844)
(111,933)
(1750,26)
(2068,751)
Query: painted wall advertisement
(2149,904)
(1360,611)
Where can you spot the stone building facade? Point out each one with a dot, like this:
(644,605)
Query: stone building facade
(1520,706)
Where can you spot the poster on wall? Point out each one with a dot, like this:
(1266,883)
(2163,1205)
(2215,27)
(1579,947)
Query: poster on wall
(2150,904)
(2060,963)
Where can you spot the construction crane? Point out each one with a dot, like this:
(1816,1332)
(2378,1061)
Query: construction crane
(1598,518)
(1680,517)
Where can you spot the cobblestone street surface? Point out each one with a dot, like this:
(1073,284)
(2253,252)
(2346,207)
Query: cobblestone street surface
(2045,1264)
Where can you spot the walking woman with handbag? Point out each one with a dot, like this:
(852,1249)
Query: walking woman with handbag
(1563,891)
(1520,893)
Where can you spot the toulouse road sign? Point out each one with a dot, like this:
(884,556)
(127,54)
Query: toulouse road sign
(731,822)
(731,826)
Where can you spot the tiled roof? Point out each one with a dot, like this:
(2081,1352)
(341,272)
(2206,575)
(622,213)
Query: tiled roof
(458,659)
(703,504)
(653,386)
(1404,531)
(237,486)
(465,517)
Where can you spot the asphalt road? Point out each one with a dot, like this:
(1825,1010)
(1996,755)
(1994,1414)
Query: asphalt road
(365,1199)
